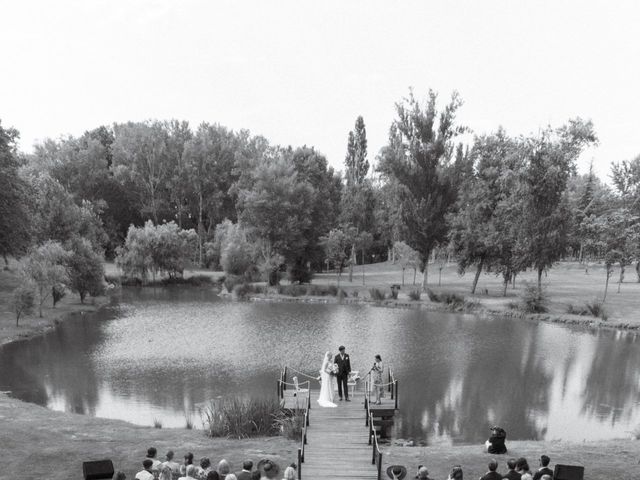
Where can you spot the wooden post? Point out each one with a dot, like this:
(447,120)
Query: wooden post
(299,464)
(379,465)
(371,431)
(373,452)
(285,378)
(392,389)
(396,385)
(389,381)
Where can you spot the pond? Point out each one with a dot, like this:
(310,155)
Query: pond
(160,353)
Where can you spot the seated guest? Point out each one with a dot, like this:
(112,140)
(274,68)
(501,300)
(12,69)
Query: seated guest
(423,473)
(544,468)
(190,473)
(255,475)
(205,467)
(268,469)
(151,455)
(165,473)
(492,474)
(119,476)
(396,472)
(522,467)
(511,474)
(188,460)
(145,473)
(245,473)
(456,473)
(174,466)
(213,475)
(495,445)
(289,474)
(223,469)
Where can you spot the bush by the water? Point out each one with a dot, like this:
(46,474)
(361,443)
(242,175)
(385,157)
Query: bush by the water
(454,300)
(534,299)
(290,423)
(415,295)
(231,281)
(243,290)
(376,294)
(292,290)
(299,273)
(241,418)
(594,309)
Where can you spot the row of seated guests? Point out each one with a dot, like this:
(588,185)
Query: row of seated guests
(517,470)
(154,469)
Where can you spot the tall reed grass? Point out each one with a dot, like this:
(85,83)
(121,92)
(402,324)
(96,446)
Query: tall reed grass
(238,417)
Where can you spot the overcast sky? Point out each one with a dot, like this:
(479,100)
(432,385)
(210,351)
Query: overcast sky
(301,72)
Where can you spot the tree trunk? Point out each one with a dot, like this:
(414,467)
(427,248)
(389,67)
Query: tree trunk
(414,275)
(17,318)
(580,256)
(540,270)
(391,255)
(513,281)
(200,228)
(477,276)
(637,269)
(352,261)
(403,276)
(440,276)
(621,278)
(425,272)
(606,285)
(506,284)
(363,266)
(6,264)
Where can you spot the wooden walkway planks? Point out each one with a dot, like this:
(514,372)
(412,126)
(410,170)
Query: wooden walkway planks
(337,442)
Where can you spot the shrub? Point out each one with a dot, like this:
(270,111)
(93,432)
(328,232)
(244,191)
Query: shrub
(377,295)
(433,296)
(332,290)
(240,418)
(394,293)
(157,423)
(341,294)
(290,423)
(113,279)
(471,305)
(454,300)
(292,290)
(299,273)
(355,294)
(415,295)
(594,308)
(23,300)
(534,300)
(231,281)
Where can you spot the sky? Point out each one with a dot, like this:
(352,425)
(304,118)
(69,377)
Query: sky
(300,72)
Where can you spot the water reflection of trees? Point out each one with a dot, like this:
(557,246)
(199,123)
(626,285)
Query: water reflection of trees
(491,381)
(611,386)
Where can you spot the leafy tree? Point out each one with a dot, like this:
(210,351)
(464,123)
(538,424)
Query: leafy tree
(356,161)
(85,269)
(44,266)
(550,160)
(335,246)
(407,257)
(276,211)
(156,249)
(140,150)
(178,175)
(418,158)
(388,224)
(23,299)
(312,167)
(209,159)
(15,224)
(473,223)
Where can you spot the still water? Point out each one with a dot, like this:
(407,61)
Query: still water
(158,354)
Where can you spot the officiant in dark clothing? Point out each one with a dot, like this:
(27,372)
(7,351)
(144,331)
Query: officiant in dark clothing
(342,375)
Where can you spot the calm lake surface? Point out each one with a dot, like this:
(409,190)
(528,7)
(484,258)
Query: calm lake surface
(158,354)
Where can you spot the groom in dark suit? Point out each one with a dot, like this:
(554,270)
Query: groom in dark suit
(344,368)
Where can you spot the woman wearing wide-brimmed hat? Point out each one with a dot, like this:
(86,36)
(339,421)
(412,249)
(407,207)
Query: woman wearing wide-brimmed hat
(268,469)
(396,472)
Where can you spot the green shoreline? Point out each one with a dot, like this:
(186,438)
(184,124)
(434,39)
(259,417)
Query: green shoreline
(32,432)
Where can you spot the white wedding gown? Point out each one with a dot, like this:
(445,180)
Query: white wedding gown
(326,386)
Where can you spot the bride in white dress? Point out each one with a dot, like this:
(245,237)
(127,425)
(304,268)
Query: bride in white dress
(326,384)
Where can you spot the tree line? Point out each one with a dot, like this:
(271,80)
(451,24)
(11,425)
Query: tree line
(229,199)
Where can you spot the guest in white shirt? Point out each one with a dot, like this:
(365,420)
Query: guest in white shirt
(145,474)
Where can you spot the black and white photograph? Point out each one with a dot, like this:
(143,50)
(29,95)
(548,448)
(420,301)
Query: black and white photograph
(319,240)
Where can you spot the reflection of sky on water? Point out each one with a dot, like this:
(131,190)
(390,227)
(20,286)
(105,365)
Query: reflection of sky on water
(161,354)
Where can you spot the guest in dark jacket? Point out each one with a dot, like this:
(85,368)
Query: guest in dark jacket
(245,473)
(511,474)
(544,468)
(492,474)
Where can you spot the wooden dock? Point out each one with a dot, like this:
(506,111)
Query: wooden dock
(340,442)
(337,438)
